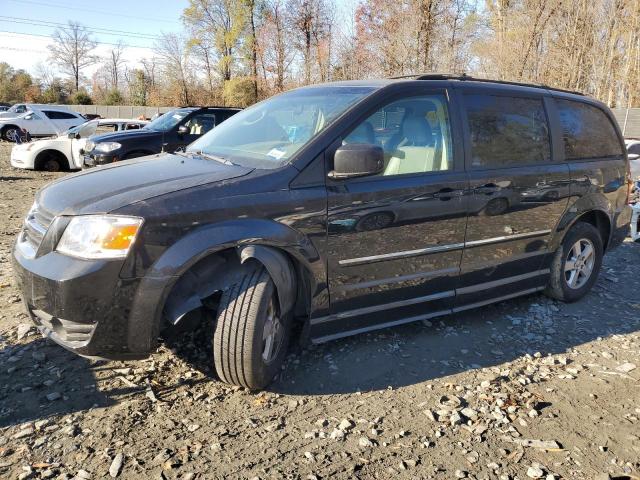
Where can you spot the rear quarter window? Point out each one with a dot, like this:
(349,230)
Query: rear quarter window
(587,132)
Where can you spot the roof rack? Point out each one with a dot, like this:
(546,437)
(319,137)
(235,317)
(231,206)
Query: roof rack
(464,76)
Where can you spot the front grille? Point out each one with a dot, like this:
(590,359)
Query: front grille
(35,226)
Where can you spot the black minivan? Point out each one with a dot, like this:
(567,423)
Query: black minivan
(342,207)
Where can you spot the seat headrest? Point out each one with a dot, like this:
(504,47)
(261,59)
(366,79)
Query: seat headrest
(417,131)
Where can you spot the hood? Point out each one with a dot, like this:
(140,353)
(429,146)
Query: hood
(104,189)
(126,135)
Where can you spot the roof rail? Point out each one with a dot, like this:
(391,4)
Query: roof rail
(464,76)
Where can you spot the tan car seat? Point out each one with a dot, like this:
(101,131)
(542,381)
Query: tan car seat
(416,151)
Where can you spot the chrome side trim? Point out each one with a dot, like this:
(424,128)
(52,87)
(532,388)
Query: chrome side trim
(379,326)
(439,248)
(403,278)
(497,299)
(378,308)
(348,333)
(505,238)
(403,254)
(503,281)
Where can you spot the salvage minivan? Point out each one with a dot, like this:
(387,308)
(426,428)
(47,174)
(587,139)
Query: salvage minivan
(339,209)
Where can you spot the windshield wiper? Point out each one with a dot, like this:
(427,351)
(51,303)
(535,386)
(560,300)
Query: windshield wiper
(209,156)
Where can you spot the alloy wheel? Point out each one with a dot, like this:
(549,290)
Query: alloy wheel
(579,264)
(272,334)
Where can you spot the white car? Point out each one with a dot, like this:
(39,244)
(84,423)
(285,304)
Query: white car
(40,121)
(633,152)
(64,152)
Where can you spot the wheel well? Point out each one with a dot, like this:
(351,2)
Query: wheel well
(41,157)
(601,221)
(7,127)
(209,276)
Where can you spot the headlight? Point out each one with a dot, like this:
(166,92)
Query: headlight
(99,236)
(107,147)
(88,146)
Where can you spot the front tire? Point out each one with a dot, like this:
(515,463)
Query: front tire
(576,263)
(250,336)
(9,133)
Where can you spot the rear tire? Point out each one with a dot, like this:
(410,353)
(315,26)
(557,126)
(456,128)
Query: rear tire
(250,336)
(576,263)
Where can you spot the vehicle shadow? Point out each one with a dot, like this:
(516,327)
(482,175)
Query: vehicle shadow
(33,371)
(472,340)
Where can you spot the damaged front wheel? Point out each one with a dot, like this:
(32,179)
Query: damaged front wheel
(250,336)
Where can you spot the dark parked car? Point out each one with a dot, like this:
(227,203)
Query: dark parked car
(170,132)
(259,225)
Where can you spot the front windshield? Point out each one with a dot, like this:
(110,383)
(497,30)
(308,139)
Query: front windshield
(267,134)
(169,120)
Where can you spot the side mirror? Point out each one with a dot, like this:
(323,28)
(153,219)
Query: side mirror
(183,129)
(633,156)
(357,160)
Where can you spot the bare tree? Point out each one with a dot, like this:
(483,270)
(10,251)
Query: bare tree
(114,64)
(72,49)
(173,54)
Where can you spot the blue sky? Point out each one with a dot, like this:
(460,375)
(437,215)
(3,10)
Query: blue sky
(23,38)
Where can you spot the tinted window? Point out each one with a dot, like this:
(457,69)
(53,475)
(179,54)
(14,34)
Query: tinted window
(507,131)
(54,115)
(413,132)
(587,132)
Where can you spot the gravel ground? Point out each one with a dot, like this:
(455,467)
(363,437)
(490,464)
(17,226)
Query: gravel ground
(529,388)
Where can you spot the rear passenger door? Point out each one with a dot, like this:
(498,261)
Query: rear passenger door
(519,189)
(395,239)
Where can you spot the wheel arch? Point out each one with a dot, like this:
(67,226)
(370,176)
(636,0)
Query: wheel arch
(209,259)
(42,155)
(597,216)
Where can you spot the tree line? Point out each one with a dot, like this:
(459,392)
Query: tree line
(235,52)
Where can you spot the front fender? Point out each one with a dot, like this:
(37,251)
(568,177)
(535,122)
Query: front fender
(216,237)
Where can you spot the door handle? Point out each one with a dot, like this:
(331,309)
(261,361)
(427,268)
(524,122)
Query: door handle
(487,189)
(448,194)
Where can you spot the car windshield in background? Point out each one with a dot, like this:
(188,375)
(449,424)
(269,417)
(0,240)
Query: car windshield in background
(268,134)
(167,121)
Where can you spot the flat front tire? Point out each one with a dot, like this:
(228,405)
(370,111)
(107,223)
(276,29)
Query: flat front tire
(576,263)
(250,336)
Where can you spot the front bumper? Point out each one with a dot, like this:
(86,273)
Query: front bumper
(86,307)
(20,159)
(93,159)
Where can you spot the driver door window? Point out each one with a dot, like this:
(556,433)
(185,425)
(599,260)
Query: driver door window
(200,124)
(414,133)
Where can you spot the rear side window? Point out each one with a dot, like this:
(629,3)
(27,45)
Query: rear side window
(507,131)
(55,115)
(587,131)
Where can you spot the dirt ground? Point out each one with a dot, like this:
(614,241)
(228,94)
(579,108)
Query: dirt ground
(529,388)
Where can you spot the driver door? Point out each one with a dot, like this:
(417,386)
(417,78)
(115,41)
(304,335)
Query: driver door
(395,239)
